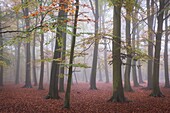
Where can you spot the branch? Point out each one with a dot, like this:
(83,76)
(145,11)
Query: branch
(92,7)
(4,27)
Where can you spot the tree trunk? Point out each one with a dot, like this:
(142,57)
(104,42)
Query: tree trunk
(134,73)
(42,63)
(140,72)
(28,54)
(118,93)
(127,85)
(17,56)
(100,72)
(166,53)
(34,58)
(105,45)
(1,54)
(150,7)
(61,84)
(55,69)
(68,90)
(95,52)
(156,89)
(41,56)
(138,62)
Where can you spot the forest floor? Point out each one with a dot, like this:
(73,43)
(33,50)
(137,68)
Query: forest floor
(14,99)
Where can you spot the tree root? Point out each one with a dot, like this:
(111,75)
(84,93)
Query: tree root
(158,94)
(118,99)
(27,86)
(50,97)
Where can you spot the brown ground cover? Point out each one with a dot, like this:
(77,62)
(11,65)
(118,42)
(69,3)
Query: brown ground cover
(14,99)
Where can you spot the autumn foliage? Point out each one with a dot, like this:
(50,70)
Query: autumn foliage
(14,99)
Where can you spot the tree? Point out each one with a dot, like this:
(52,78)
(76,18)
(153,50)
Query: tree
(33,54)
(28,54)
(118,93)
(42,55)
(17,55)
(156,89)
(70,71)
(134,23)
(62,69)
(53,88)
(95,52)
(166,52)
(150,11)
(129,8)
(1,52)
(139,62)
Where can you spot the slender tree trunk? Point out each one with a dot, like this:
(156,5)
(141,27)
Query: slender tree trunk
(156,89)
(1,53)
(127,85)
(41,56)
(138,62)
(33,57)
(28,54)
(100,72)
(17,56)
(134,73)
(166,53)
(105,46)
(95,52)
(118,93)
(61,84)
(150,7)
(85,75)
(68,90)
(42,63)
